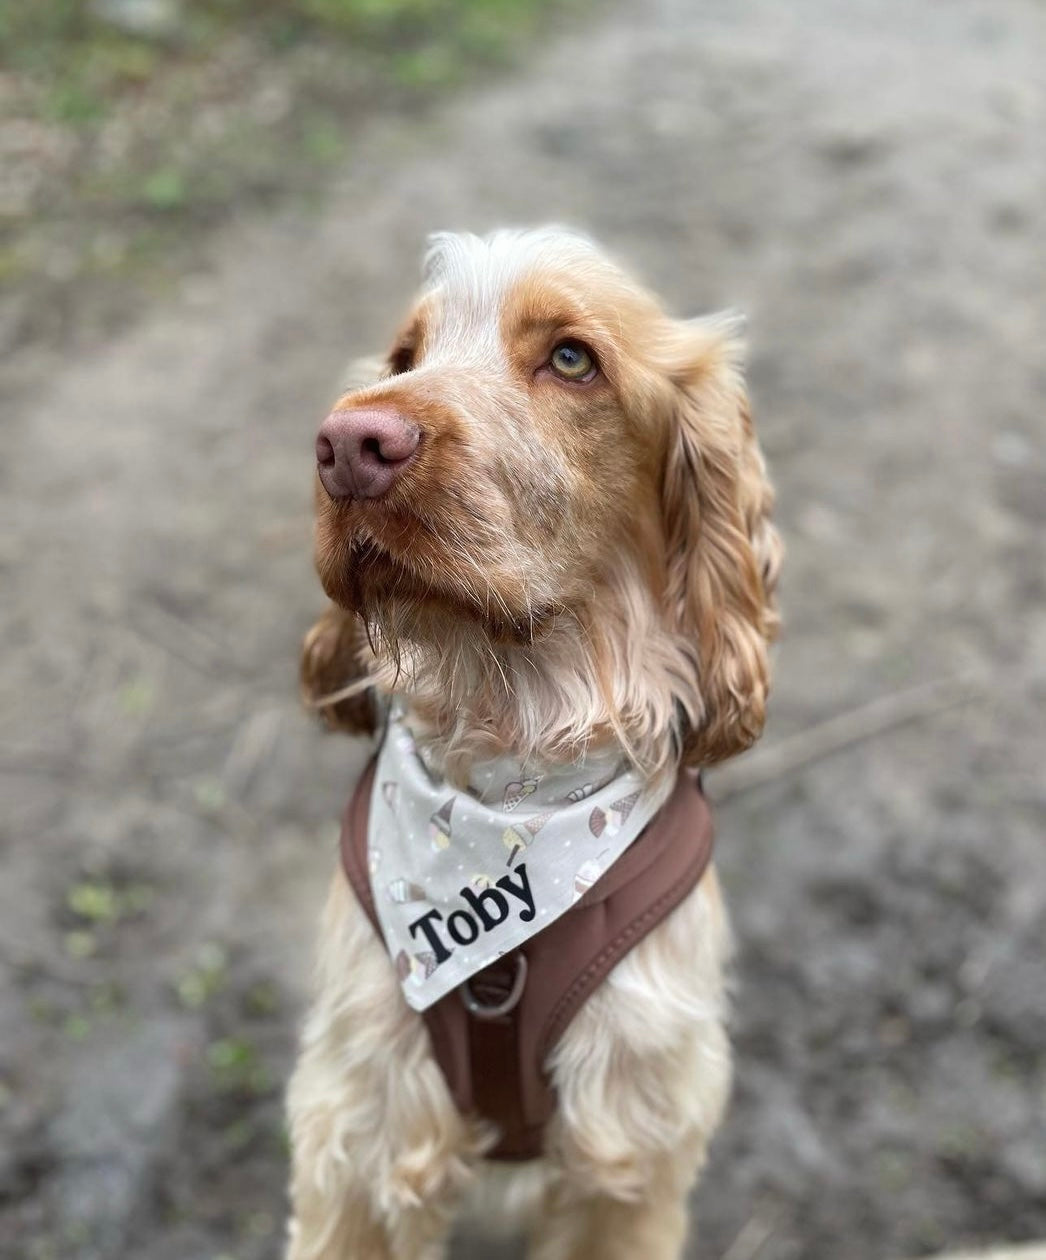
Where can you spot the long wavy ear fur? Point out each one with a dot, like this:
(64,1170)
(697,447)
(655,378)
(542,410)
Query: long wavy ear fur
(723,553)
(331,661)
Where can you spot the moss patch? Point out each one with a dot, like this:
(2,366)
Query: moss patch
(129,128)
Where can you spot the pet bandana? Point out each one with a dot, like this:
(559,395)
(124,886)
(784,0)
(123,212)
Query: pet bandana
(461,877)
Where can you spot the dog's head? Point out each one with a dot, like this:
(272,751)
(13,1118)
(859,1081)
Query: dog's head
(544,452)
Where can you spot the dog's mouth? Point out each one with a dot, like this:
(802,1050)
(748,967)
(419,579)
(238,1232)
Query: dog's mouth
(396,570)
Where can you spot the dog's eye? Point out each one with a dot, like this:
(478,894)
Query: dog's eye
(572,361)
(401,360)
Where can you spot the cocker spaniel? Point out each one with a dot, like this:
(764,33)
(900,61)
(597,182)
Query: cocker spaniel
(543,524)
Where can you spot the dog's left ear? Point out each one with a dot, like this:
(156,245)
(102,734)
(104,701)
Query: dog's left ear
(723,554)
(330,665)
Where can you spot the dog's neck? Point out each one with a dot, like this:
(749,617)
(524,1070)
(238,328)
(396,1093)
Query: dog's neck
(593,680)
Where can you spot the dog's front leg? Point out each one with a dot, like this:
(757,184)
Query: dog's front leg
(327,1229)
(380,1153)
(581,1224)
(643,1075)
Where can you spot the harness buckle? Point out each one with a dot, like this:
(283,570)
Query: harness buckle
(497,1009)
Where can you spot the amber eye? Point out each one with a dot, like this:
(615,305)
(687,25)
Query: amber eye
(572,361)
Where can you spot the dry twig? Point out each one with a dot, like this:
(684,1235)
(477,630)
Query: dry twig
(883,714)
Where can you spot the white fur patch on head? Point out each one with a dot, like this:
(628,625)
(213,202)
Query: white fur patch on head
(472,277)
(463,261)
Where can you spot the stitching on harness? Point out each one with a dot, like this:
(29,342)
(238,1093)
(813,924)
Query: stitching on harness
(671,898)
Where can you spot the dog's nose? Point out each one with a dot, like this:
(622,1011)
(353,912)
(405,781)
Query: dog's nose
(361,453)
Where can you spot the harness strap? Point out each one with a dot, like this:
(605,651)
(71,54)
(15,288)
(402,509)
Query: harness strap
(496,1040)
(492,1037)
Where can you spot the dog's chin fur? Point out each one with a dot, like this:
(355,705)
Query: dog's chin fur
(397,604)
(552,691)
(561,567)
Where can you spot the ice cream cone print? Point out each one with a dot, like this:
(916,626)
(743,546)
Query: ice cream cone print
(587,874)
(597,822)
(439,825)
(512,841)
(415,967)
(516,839)
(620,810)
(579,793)
(424,965)
(480,883)
(402,891)
(517,791)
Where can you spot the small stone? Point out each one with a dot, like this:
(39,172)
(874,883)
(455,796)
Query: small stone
(1012,449)
(147,19)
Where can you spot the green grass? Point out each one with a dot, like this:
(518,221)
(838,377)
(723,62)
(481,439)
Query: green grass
(146,140)
(83,63)
(236,1066)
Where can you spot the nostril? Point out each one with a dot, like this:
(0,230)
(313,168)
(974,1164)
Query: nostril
(390,448)
(324,452)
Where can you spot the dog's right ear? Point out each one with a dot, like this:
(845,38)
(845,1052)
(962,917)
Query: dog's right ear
(723,551)
(332,663)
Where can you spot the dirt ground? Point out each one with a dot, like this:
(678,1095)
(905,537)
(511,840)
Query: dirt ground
(866,179)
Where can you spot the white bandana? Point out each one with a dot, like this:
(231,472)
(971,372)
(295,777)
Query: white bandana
(461,877)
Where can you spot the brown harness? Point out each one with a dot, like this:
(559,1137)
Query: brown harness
(492,1036)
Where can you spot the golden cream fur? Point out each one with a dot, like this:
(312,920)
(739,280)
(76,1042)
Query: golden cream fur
(569,560)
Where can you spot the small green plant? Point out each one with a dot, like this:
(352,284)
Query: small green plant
(206,978)
(210,795)
(137,697)
(323,139)
(102,903)
(76,1027)
(236,1066)
(165,189)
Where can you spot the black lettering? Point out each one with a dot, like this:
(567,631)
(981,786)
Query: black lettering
(482,902)
(522,892)
(457,933)
(431,935)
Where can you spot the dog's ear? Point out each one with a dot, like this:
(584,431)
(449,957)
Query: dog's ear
(331,663)
(723,554)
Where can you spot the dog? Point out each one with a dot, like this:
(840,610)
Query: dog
(543,522)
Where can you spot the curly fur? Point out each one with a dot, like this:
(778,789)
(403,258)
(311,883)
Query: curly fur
(563,565)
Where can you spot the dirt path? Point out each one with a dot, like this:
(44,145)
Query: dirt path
(867,181)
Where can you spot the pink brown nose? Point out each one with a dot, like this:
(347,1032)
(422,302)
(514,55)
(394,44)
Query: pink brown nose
(360,454)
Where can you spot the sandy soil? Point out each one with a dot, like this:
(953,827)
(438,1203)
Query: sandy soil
(867,180)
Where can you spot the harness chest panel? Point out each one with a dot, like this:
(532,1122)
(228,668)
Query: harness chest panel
(492,1036)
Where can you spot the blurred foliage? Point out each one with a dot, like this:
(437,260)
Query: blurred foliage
(129,127)
(236,1066)
(99,901)
(205,979)
(86,52)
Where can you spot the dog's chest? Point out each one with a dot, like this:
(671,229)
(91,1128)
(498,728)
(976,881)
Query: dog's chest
(492,1034)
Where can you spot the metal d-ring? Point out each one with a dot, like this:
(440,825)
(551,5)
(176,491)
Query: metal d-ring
(482,1011)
